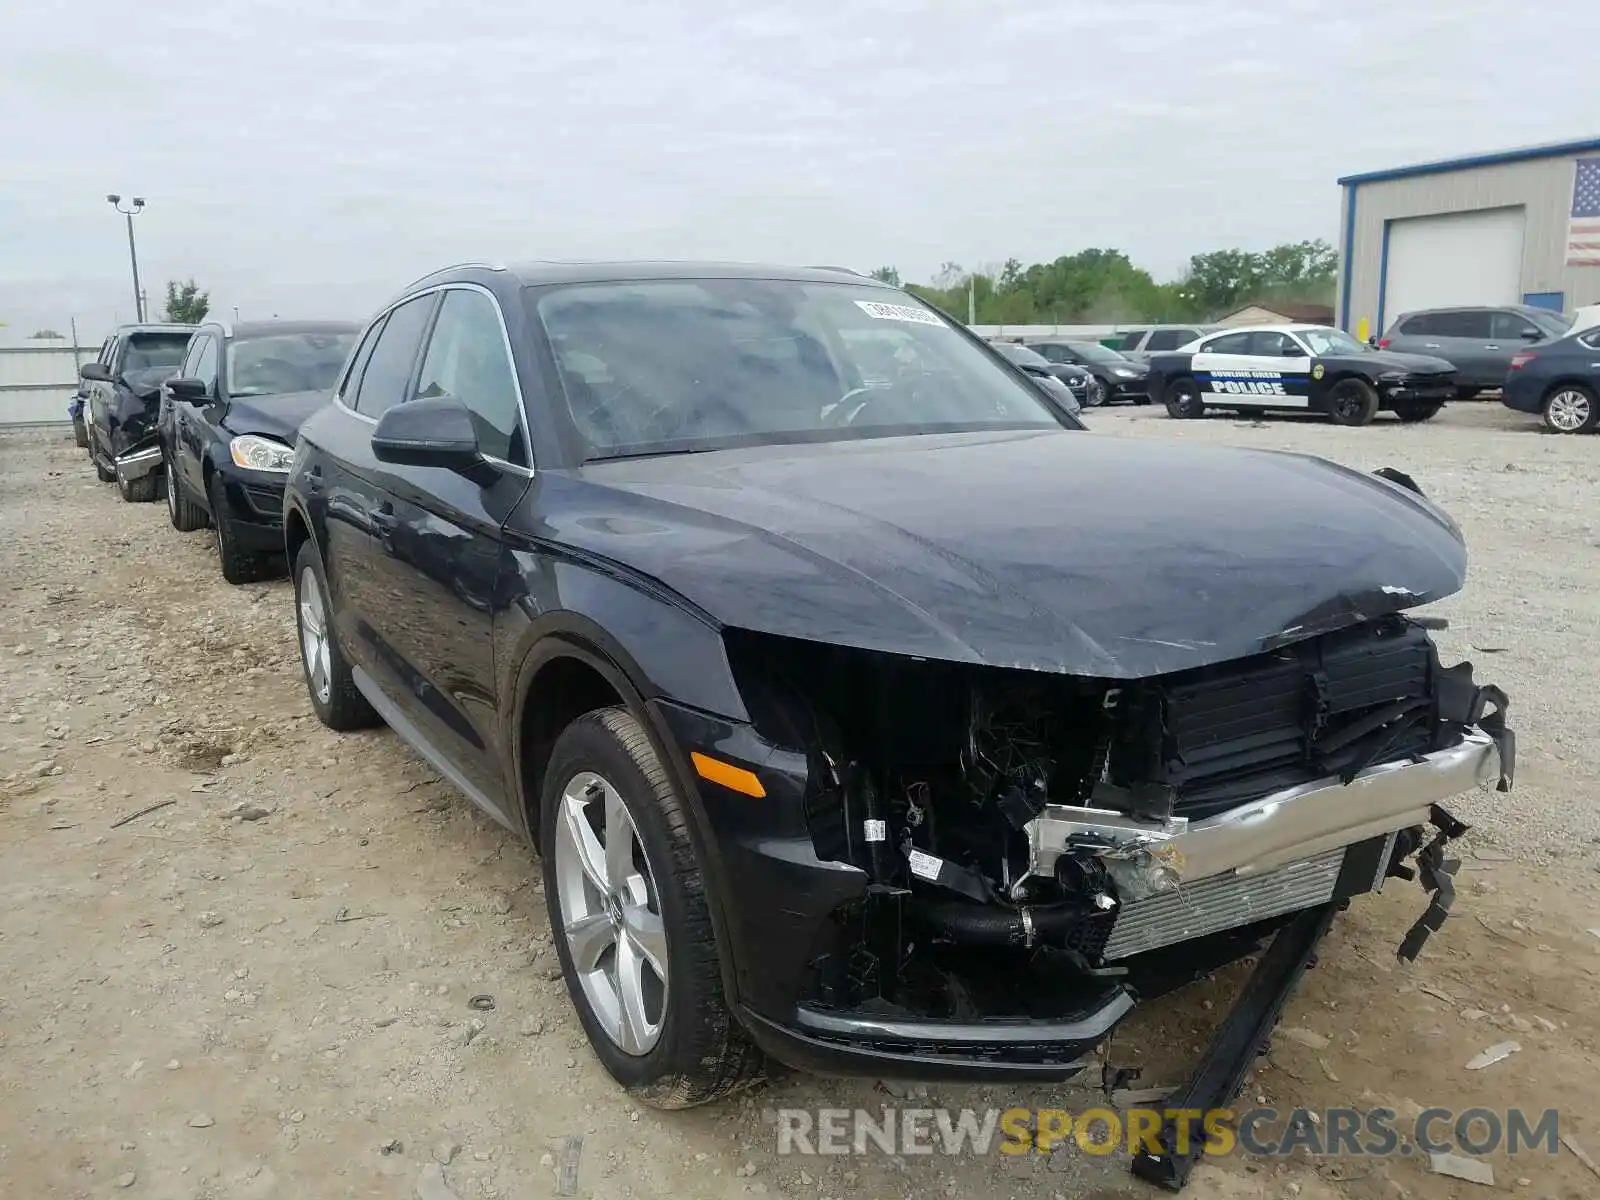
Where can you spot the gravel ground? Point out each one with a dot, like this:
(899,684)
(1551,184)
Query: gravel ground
(262,989)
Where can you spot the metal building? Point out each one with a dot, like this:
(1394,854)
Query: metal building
(1513,227)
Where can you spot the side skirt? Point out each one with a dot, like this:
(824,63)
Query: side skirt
(414,737)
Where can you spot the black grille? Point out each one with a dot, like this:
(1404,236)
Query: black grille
(1329,706)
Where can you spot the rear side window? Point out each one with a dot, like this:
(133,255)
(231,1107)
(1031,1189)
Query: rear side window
(1171,339)
(1420,325)
(383,380)
(1228,343)
(1591,339)
(1462,324)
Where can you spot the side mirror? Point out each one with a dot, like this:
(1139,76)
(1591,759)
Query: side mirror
(436,432)
(1372,340)
(1532,335)
(192,390)
(94,371)
(1292,351)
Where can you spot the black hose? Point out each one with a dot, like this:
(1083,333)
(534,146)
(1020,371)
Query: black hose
(992,925)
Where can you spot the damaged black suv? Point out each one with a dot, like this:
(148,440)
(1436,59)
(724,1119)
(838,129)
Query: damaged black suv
(839,742)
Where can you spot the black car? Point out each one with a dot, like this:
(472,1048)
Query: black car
(1078,381)
(839,743)
(227,428)
(1559,380)
(122,400)
(1311,368)
(1116,377)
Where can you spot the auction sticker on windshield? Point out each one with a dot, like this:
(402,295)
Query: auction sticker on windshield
(898,312)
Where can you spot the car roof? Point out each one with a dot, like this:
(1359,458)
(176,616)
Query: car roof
(1299,328)
(1522,308)
(249,329)
(548,271)
(154,327)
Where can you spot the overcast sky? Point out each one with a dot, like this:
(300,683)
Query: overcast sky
(310,157)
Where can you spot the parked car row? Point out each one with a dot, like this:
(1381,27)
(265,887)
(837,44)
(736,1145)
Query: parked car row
(756,599)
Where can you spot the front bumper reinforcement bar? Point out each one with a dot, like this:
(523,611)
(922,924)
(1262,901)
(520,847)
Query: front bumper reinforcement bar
(1235,1044)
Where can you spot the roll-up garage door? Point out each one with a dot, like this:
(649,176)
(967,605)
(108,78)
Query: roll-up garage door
(1455,259)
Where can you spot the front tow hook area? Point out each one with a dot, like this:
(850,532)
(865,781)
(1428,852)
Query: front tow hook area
(1235,1044)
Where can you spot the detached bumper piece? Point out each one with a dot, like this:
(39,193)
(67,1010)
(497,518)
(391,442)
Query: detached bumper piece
(1242,1036)
(136,464)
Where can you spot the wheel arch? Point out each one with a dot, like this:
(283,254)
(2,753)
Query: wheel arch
(597,671)
(1568,381)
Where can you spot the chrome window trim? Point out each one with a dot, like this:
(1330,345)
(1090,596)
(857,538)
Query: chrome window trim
(505,344)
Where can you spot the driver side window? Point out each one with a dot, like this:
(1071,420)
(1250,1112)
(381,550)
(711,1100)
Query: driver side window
(466,359)
(205,364)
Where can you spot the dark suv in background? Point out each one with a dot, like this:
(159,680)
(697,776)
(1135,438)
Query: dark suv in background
(1479,342)
(122,400)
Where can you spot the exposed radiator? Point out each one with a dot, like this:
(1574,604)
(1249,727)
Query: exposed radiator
(1222,902)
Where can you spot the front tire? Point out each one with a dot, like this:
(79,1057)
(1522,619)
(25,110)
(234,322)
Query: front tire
(238,564)
(185,515)
(1183,399)
(80,431)
(630,918)
(1413,411)
(1352,402)
(1571,408)
(139,491)
(335,698)
(1098,394)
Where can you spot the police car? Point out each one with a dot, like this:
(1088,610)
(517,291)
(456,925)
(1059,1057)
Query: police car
(1307,367)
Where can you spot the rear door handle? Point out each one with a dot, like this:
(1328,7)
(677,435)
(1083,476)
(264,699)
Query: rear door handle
(1430,345)
(1491,347)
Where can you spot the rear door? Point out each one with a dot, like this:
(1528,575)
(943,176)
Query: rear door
(439,556)
(379,377)
(1462,338)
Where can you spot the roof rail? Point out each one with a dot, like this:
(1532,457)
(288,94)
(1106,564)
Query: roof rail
(846,270)
(487,266)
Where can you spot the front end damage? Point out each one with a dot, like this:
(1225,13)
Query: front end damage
(965,871)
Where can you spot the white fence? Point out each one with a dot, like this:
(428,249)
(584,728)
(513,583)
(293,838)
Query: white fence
(38,382)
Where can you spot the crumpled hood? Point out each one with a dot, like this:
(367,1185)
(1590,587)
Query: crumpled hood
(277,416)
(1393,360)
(1056,551)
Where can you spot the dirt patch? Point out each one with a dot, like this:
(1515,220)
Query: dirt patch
(280,1005)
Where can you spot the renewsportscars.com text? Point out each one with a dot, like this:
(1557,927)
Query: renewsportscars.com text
(1267,1132)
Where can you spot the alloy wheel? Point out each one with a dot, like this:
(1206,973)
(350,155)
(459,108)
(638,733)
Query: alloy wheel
(1097,393)
(610,913)
(1569,411)
(314,637)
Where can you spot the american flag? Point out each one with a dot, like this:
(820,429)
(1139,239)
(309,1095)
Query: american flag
(1583,230)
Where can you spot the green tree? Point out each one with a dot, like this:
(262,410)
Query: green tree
(186,303)
(889,275)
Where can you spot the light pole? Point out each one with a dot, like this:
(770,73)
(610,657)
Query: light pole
(133,255)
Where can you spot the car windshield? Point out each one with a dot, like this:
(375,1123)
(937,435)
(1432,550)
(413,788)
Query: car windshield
(1555,323)
(274,364)
(1095,352)
(666,366)
(154,351)
(1331,341)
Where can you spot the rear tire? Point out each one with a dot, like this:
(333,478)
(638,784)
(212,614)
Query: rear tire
(238,564)
(1352,402)
(1183,399)
(335,698)
(1570,408)
(685,1046)
(1412,411)
(185,515)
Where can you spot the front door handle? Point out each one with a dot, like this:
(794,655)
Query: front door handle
(1491,347)
(1430,345)
(384,518)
